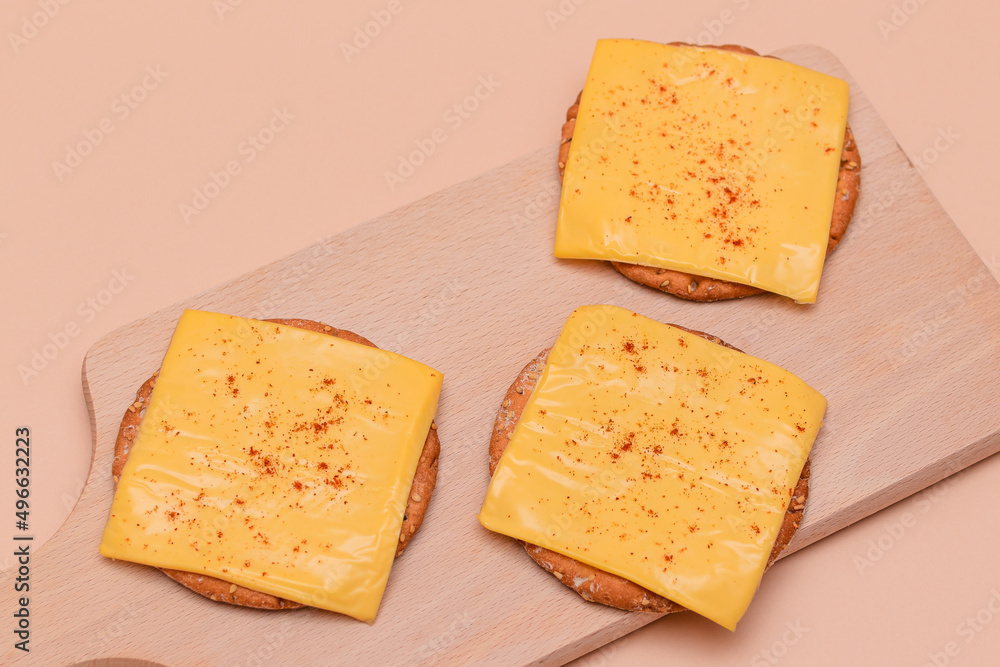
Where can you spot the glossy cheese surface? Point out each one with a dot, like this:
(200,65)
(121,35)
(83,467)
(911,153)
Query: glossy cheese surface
(277,459)
(704,161)
(656,455)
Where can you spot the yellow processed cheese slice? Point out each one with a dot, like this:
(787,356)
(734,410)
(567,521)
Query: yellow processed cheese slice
(709,162)
(277,459)
(656,455)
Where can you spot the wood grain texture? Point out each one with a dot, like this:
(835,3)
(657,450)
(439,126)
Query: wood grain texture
(902,342)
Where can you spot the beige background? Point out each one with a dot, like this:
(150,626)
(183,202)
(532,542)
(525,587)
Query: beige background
(104,240)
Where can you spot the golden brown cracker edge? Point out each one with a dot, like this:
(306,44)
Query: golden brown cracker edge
(700,288)
(593,584)
(424,480)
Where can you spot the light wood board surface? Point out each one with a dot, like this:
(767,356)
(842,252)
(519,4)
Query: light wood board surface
(902,342)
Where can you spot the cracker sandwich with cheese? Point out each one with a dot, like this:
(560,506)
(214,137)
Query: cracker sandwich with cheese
(275,464)
(650,467)
(707,172)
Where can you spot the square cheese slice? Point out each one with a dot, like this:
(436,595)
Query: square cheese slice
(654,454)
(275,458)
(710,162)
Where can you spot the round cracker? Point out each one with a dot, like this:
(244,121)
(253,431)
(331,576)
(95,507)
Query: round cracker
(593,584)
(424,480)
(701,288)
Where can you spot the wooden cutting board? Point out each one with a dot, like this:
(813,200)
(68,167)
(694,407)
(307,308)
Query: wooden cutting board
(903,342)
